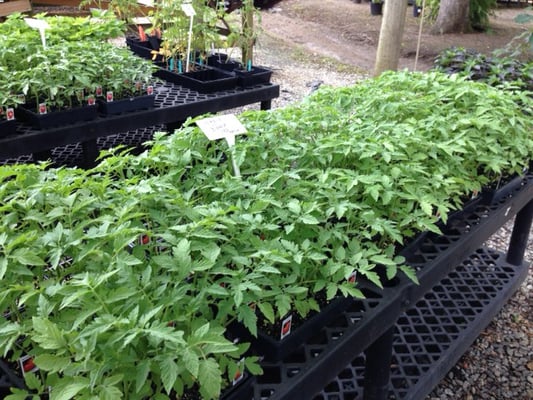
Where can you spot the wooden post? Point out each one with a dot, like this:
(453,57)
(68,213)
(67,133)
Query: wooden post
(390,36)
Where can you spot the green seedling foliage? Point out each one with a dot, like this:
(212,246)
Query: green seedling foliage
(140,263)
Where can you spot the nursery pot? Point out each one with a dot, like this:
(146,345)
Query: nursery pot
(376,8)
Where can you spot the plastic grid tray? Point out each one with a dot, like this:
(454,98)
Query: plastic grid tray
(431,337)
(71,155)
(317,361)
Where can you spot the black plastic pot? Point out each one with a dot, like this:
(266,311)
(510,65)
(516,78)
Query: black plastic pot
(126,105)
(144,48)
(7,127)
(284,344)
(55,118)
(204,80)
(376,8)
(256,76)
(222,61)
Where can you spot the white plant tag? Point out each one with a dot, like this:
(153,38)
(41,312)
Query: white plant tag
(188,9)
(222,126)
(39,24)
(286,327)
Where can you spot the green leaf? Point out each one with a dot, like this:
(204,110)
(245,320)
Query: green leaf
(68,388)
(210,379)
(27,257)
(32,381)
(410,273)
(52,363)
(3,267)
(169,373)
(47,334)
(191,361)
(142,371)
(267,310)
(248,317)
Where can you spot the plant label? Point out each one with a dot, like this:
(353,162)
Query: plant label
(286,326)
(39,24)
(27,364)
(42,108)
(222,126)
(91,101)
(239,374)
(109,97)
(99,91)
(150,89)
(188,10)
(10,114)
(352,278)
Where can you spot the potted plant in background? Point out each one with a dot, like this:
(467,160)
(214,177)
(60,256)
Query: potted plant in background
(376,7)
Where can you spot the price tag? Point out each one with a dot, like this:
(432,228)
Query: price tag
(188,9)
(222,126)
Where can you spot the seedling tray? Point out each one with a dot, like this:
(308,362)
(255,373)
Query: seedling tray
(431,337)
(205,80)
(131,104)
(320,359)
(54,119)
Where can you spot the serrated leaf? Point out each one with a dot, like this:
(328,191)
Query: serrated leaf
(68,388)
(142,371)
(52,363)
(210,379)
(410,273)
(268,311)
(32,381)
(47,334)
(247,316)
(191,361)
(381,259)
(28,258)
(169,373)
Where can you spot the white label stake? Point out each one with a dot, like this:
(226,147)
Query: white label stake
(39,24)
(223,126)
(188,9)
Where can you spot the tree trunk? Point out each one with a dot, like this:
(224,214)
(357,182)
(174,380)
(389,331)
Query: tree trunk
(452,17)
(390,36)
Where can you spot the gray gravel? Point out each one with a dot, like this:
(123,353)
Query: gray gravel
(499,364)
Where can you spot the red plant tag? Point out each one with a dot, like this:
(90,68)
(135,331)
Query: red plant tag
(99,91)
(286,326)
(142,35)
(91,101)
(144,239)
(10,114)
(27,364)
(239,375)
(352,278)
(109,96)
(42,108)
(150,89)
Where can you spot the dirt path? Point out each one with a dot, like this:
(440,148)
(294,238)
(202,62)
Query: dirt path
(346,32)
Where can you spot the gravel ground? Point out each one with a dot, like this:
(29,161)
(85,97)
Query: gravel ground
(499,364)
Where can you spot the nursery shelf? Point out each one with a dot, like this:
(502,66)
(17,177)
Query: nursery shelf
(173,105)
(460,302)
